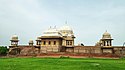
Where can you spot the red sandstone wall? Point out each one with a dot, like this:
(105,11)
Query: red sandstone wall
(87,49)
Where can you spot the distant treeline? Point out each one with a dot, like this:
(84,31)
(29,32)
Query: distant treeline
(3,50)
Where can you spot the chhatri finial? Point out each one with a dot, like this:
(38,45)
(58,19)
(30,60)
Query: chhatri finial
(50,27)
(66,22)
(106,30)
(54,26)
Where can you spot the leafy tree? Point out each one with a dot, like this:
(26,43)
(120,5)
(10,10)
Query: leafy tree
(3,50)
(82,44)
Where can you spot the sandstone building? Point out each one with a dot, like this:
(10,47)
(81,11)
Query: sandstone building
(55,40)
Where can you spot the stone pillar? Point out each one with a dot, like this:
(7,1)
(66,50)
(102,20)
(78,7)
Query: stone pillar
(107,43)
(110,43)
(104,43)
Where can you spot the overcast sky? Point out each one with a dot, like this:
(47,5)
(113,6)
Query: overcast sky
(88,18)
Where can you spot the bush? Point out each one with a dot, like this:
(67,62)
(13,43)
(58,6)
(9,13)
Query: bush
(64,56)
(3,50)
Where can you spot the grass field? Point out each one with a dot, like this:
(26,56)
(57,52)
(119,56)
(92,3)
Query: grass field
(61,64)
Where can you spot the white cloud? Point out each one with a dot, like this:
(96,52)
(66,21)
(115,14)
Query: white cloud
(29,18)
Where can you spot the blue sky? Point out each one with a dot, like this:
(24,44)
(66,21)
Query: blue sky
(88,18)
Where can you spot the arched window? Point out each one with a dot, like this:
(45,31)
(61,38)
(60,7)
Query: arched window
(49,42)
(70,42)
(54,42)
(44,43)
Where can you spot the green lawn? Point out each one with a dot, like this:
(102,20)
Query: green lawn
(61,64)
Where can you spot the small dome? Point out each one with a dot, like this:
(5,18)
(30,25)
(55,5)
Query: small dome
(14,37)
(106,35)
(30,41)
(38,38)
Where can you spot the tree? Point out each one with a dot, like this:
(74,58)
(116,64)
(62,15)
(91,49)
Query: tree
(3,50)
(82,44)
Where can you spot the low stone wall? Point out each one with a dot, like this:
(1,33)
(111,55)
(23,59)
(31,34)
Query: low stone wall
(49,49)
(88,49)
(78,51)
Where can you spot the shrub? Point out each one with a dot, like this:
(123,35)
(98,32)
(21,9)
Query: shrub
(64,56)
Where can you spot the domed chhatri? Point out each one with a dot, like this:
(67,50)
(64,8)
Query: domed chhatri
(14,40)
(106,35)
(31,42)
(106,40)
(14,37)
